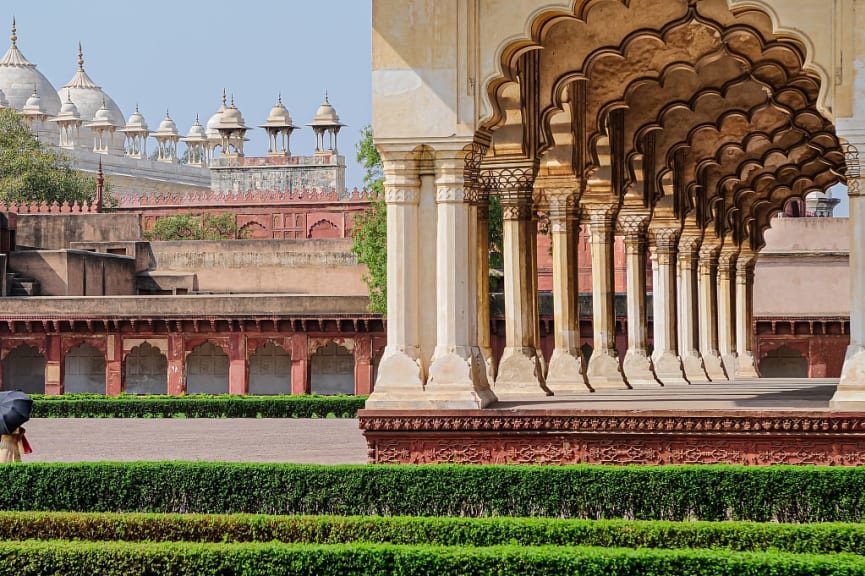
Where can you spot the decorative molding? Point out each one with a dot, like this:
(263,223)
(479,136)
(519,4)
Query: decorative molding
(608,437)
(516,179)
(450,194)
(633,225)
(402,195)
(664,240)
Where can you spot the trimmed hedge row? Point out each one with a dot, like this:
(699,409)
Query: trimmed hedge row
(762,494)
(195,406)
(181,559)
(737,536)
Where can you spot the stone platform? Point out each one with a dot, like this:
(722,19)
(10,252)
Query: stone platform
(756,422)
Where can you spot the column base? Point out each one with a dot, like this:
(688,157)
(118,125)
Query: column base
(489,362)
(605,372)
(668,369)
(565,375)
(694,368)
(729,362)
(457,381)
(520,374)
(714,366)
(850,394)
(400,382)
(746,366)
(638,369)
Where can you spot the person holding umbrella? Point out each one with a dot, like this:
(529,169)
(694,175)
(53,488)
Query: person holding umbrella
(14,411)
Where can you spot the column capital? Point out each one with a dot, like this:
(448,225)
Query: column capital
(394,195)
(401,181)
(602,222)
(451,194)
(562,210)
(855,184)
(665,239)
(633,224)
(689,244)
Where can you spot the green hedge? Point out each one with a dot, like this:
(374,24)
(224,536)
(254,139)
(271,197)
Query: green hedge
(738,536)
(181,559)
(195,406)
(782,493)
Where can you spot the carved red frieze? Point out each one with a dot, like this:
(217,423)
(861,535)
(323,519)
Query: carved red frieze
(609,437)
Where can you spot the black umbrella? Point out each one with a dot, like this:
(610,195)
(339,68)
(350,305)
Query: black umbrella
(14,410)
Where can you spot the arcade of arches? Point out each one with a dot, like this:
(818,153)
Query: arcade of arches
(681,126)
(176,363)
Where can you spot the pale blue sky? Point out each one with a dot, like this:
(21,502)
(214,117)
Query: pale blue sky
(180,55)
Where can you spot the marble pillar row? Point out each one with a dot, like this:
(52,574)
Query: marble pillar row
(637,364)
(850,395)
(688,312)
(727,308)
(708,312)
(566,370)
(401,374)
(457,378)
(604,370)
(668,364)
(520,371)
(745,364)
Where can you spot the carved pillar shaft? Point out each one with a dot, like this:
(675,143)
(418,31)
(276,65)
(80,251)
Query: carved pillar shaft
(238,364)
(726,309)
(708,312)
(401,374)
(637,365)
(745,365)
(566,369)
(668,364)
(482,278)
(520,371)
(456,376)
(604,370)
(688,312)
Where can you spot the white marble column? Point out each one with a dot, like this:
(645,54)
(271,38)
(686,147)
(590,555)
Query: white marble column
(482,280)
(637,364)
(604,370)
(850,395)
(692,360)
(456,378)
(401,373)
(566,370)
(668,364)
(520,371)
(708,316)
(726,308)
(745,365)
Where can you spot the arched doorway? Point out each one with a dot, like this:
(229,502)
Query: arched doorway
(207,370)
(146,370)
(270,370)
(85,370)
(24,369)
(784,362)
(332,370)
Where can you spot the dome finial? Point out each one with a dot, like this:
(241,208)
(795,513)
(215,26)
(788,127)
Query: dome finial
(69,95)
(326,99)
(136,108)
(80,58)
(14,35)
(232,101)
(196,118)
(279,98)
(223,97)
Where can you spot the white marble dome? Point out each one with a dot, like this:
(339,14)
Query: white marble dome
(213,122)
(167,127)
(196,132)
(90,98)
(69,109)
(325,115)
(137,122)
(19,77)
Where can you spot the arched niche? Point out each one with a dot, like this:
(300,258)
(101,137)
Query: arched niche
(207,370)
(270,370)
(84,370)
(146,370)
(24,369)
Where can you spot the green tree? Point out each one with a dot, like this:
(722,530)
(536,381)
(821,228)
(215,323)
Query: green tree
(370,227)
(30,171)
(190,227)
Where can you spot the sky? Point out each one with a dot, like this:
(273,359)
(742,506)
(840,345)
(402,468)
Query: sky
(178,56)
